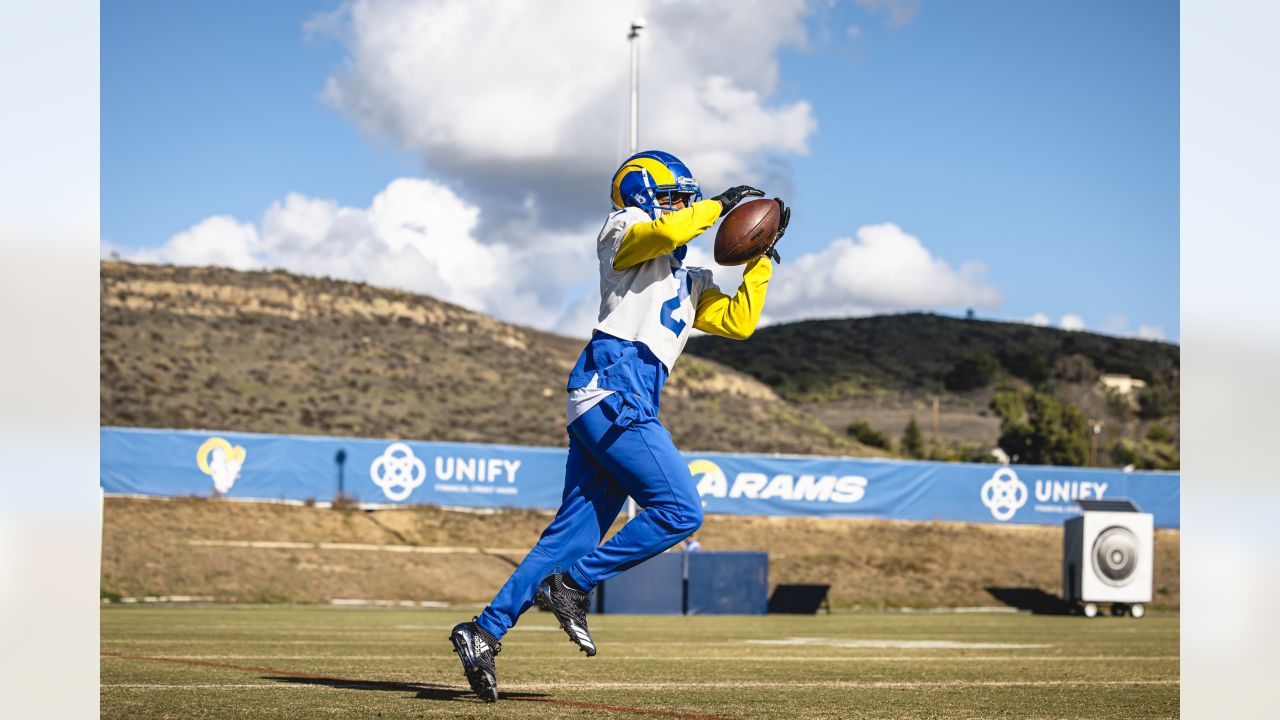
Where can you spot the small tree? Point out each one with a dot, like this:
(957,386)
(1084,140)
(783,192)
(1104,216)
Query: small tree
(862,431)
(1038,428)
(913,439)
(1061,430)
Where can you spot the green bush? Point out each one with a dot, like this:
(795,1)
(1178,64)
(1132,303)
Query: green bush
(1008,405)
(862,431)
(1160,434)
(971,372)
(1145,455)
(1155,402)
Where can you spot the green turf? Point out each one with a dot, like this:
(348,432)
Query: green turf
(370,663)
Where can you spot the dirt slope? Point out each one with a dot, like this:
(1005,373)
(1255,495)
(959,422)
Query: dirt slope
(148,550)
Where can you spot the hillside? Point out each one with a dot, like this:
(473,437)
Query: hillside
(272,352)
(828,359)
(884,370)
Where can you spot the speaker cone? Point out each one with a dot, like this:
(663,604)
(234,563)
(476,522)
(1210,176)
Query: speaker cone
(1115,555)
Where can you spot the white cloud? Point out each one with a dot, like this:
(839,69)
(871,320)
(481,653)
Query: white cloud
(1151,332)
(1115,324)
(1071,321)
(524,105)
(217,240)
(885,269)
(415,234)
(420,236)
(580,315)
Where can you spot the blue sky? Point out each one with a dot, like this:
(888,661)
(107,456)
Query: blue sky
(1038,139)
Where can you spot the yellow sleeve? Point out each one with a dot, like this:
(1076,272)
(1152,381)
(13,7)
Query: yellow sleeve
(647,240)
(735,317)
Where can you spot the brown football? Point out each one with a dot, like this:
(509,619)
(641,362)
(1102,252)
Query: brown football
(747,231)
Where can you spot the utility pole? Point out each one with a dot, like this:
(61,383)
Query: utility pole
(634,38)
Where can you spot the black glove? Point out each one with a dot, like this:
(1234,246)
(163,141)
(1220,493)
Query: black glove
(785,217)
(734,195)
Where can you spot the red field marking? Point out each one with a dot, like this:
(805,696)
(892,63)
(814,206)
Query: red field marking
(229,666)
(408,687)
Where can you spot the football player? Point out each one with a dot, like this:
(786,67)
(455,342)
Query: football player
(649,303)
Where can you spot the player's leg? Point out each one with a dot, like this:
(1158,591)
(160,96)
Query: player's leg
(643,460)
(590,503)
(589,506)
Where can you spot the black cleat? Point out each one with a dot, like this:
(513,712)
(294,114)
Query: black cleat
(570,606)
(476,649)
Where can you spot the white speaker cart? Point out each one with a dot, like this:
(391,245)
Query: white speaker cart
(1107,557)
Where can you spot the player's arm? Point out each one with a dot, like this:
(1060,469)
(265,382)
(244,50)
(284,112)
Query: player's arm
(647,240)
(735,317)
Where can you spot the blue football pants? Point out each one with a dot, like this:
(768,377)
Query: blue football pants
(609,459)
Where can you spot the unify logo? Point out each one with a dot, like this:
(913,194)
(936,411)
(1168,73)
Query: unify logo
(758,486)
(1068,490)
(397,471)
(1003,494)
(220,461)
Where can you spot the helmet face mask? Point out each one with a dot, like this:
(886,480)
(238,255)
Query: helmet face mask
(667,199)
(652,181)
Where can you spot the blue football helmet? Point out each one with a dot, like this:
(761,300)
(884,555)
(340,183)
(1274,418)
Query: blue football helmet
(652,180)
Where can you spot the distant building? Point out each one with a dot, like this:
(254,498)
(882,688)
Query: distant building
(1121,384)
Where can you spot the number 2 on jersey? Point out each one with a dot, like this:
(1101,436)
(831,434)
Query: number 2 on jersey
(684,284)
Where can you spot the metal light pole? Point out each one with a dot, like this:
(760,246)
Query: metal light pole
(634,37)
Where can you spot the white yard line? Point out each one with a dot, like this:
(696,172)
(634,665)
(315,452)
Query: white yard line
(359,547)
(236,641)
(206,686)
(835,684)
(899,644)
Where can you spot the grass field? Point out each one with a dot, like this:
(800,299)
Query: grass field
(313,662)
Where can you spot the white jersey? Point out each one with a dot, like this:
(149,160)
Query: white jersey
(653,302)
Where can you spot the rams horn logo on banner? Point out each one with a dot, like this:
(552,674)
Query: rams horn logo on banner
(220,461)
(713,481)
(1003,494)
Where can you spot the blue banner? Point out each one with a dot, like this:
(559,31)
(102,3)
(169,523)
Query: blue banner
(391,472)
